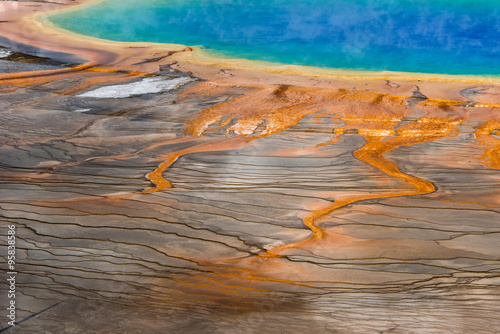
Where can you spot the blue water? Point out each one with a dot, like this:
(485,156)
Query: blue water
(440,36)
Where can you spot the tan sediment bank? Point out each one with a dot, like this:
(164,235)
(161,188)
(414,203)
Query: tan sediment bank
(27,23)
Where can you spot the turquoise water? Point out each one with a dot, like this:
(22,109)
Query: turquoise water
(447,37)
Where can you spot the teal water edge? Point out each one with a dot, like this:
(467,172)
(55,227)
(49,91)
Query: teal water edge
(442,37)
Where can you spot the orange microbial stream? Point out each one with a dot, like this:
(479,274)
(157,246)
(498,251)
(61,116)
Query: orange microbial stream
(326,155)
(161,183)
(251,112)
(374,116)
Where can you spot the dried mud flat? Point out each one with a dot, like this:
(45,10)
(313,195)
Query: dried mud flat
(152,194)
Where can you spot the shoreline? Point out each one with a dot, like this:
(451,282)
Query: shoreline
(30,28)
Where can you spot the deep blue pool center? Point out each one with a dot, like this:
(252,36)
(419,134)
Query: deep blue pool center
(445,37)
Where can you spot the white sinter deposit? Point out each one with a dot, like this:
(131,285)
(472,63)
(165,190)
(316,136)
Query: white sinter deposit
(145,86)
